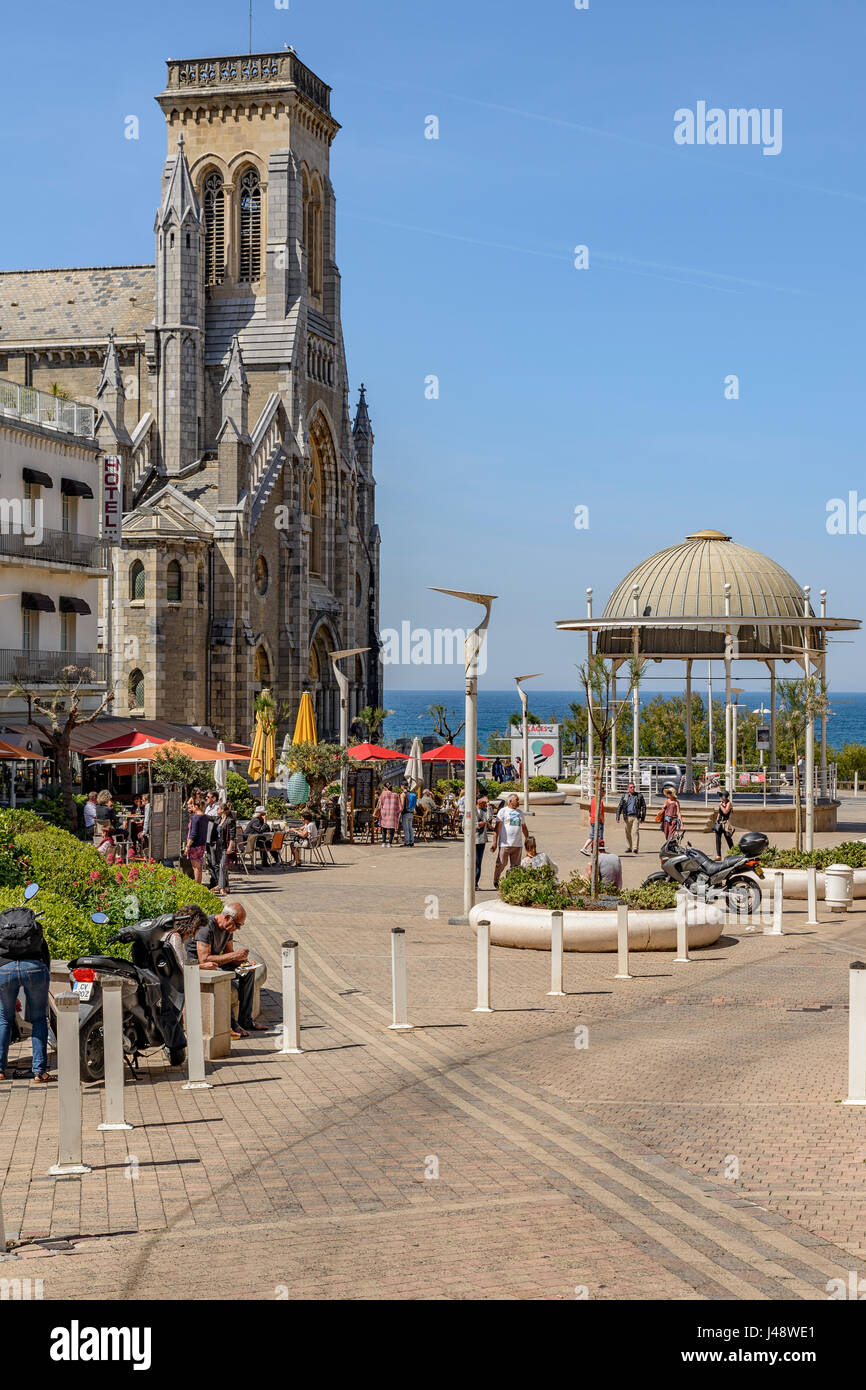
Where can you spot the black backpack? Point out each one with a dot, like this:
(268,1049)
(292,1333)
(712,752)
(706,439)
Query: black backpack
(20,934)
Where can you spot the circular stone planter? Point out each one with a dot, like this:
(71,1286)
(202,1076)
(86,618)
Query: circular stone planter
(529,927)
(795,881)
(569,788)
(540,798)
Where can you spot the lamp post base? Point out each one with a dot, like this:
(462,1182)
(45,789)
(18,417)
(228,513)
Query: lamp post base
(462,921)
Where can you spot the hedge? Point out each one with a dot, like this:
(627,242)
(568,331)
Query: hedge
(539,888)
(851,852)
(68,931)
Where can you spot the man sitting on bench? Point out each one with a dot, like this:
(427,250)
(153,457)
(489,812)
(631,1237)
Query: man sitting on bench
(259,826)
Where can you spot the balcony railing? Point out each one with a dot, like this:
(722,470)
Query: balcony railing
(279,69)
(44,668)
(40,543)
(43,408)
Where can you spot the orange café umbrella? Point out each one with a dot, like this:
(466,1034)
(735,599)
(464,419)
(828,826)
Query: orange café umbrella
(8,750)
(149,753)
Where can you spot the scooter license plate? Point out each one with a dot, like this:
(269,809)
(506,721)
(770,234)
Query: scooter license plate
(759,871)
(83,988)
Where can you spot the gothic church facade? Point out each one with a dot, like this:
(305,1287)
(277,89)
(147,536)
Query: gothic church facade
(250,547)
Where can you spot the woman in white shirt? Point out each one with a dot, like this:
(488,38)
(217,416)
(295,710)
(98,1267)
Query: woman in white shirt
(533,860)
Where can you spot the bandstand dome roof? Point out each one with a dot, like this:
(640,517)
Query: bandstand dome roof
(688,580)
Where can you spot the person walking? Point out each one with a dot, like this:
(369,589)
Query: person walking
(482,825)
(586,848)
(196,835)
(408,802)
(670,814)
(722,825)
(24,964)
(222,844)
(388,813)
(632,809)
(509,838)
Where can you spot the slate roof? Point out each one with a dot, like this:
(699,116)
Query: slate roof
(35,304)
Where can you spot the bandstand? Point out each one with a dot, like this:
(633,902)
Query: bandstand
(710,599)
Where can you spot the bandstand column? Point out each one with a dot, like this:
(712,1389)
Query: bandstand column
(689,777)
(823,667)
(590,750)
(810,733)
(635,697)
(612,777)
(728,656)
(774,764)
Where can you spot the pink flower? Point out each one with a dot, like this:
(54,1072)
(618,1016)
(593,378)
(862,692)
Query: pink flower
(93,875)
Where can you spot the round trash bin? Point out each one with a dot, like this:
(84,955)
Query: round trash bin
(838,887)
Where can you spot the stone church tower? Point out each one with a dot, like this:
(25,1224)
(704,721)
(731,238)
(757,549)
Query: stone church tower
(250,545)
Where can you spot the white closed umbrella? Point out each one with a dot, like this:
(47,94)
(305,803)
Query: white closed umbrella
(413,772)
(284,772)
(219,772)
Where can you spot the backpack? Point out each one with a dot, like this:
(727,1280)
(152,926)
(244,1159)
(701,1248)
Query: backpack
(20,934)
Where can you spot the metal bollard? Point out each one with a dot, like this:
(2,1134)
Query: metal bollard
(778,905)
(856,783)
(812,894)
(68,1089)
(291,1030)
(622,943)
(482,931)
(556,949)
(195,1075)
(112,1041)
(682,956)
(398,981)
(856,1034)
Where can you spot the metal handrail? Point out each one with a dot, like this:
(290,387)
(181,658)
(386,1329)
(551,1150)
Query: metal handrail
(43,408)
(70,547)
(41,668)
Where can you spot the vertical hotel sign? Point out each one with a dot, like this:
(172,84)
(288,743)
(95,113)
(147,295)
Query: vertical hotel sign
(112,500)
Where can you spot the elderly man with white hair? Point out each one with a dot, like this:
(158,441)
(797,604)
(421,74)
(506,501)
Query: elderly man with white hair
(509,838)
(212,948)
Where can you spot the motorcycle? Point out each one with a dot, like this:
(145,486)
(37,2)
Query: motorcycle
(716,880)
(152,997)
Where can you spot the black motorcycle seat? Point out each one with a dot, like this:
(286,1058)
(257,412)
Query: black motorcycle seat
(713,865)
(108,965)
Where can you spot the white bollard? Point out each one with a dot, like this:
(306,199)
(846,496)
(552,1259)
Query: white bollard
(291,1031)
(682,955)
(556,948)
(112,1042)
(68,1089)
(622,972)
(2,1230)
(195,1075)
(856,1034)
(812,894)
(399,1017)
(856,783)
(778,906)
(482,931)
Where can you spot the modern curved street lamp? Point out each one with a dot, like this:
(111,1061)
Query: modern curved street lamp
(343,683)
(472,647)
(525,703)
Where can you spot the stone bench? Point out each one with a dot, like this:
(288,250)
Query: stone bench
(216,1005)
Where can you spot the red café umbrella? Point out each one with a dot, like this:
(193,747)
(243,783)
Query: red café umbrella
(448,753)
(367,752)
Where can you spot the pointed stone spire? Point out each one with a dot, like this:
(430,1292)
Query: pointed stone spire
(179,202)
(362,416)
(235,371)
(111,381)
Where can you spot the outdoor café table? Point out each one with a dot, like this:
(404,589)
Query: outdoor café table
(438,823)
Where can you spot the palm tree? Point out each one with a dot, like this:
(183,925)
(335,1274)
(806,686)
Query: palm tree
(596,677)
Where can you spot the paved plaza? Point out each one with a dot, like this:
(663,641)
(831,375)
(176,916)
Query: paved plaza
(695,1147)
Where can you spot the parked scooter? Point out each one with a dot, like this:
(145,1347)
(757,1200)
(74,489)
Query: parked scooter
(716,880)
(152,997)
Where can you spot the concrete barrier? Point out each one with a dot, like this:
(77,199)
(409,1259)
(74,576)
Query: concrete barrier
(796,882)
(529,928)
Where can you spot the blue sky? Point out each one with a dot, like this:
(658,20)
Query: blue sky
(558,387)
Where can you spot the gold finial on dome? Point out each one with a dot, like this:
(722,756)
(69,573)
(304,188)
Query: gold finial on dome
(708,536)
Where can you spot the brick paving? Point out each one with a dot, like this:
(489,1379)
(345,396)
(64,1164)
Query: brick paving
(696,1148)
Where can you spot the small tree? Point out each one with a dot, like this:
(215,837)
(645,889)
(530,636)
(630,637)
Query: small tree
(370,720)
(61,714)
(443,722)
(596,677)
(799,702)
(173,765)
(321,763)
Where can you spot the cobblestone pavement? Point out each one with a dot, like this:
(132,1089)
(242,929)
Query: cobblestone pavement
(687,1142)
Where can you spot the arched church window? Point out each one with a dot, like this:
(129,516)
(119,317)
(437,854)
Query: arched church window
(201,586)
(260,576)
(214,229)
(174,582)
(250,239)
(136,580)
(314,240)
(135,690)
(262,667)
(316,508)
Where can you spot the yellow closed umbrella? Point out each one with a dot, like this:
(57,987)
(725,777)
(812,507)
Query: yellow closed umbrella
(305,726)
(254,771)
(263,758)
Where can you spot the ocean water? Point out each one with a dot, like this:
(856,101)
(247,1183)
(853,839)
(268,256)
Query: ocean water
(410,717)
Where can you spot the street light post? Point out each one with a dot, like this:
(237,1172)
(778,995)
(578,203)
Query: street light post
(343,683)
(525,703)
(474,640)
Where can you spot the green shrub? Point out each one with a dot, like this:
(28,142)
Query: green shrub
(658,896)
(68,930)
(542,784)
(59,861)
(534,888)
(278,806)
(850,758)
(851,852)
(19,821)
(539,888)
(14,859)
